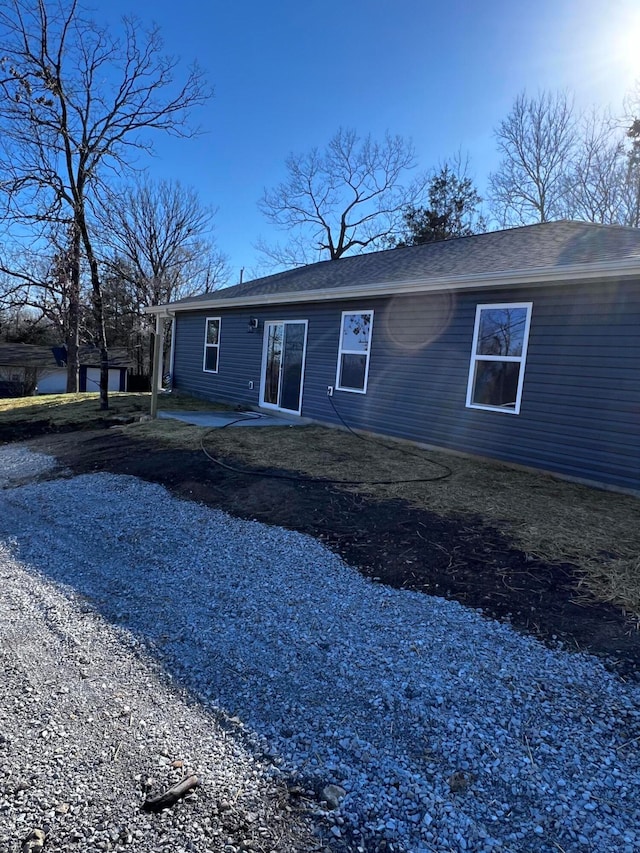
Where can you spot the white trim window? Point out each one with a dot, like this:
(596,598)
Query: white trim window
(354,349)
(211,345)
(498,356)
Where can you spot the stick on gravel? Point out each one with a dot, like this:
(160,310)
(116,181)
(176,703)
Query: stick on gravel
(34,842)
(171,795)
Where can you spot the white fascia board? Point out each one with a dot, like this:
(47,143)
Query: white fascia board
(510,278)
(167,310)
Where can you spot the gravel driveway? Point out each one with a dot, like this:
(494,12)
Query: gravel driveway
(90,724)
(445,731)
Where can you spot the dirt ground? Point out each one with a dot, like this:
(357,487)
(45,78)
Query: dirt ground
(388,541)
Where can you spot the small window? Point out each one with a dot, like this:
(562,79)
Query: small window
(211,345)
(354,350)
(498,357)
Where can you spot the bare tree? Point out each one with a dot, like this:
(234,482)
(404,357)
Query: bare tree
(595,185)
(537,142)
(38,282)
(159,242)
(46,284)
(346,198)
(19,322)
(75,104)
(165,235)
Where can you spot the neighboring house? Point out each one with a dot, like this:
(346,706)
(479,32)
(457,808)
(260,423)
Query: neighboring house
(28,369)
(521,345)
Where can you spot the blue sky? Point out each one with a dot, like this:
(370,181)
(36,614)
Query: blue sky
(288,74)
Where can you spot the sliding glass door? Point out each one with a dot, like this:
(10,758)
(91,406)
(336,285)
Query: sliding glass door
(283,364)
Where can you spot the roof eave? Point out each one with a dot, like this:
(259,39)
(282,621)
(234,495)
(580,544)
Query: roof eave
(511,278)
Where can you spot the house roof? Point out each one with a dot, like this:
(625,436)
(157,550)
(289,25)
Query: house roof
(543,253)
(89,356)
(30,355)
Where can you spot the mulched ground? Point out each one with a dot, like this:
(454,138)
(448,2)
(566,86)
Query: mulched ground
(388,541)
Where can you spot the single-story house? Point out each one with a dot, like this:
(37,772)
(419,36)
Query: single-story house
(27,367)
(521,345)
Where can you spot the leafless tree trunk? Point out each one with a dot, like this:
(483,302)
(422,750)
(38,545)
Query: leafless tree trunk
(73,318)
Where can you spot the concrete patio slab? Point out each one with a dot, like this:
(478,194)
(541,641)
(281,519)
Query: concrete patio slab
(232,419)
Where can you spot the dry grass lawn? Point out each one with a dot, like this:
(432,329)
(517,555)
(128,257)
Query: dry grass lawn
(64,410)
(597,530)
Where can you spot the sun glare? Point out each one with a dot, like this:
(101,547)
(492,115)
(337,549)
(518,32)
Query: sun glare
(626,45)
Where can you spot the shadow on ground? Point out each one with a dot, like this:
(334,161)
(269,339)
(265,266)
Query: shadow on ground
(456,558)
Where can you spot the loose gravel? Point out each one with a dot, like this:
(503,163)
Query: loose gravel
(440,730)
(91,725)
(19,464)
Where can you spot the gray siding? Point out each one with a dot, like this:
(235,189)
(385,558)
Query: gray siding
(580,412)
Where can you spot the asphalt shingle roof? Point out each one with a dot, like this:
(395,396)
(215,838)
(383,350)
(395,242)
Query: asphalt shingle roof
(89,356)
(27,355)
(550,245)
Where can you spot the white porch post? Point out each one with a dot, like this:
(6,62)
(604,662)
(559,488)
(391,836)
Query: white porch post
(156,375)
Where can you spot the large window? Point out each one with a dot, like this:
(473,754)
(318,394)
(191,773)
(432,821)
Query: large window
(211,345)
(498,356)
(353,352)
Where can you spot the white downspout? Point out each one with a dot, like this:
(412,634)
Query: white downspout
(172,354)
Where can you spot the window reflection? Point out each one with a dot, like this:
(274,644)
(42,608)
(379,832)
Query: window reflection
(211,344)
(353,352)
(497,362)
(496,383)
(356,331)
(501,331)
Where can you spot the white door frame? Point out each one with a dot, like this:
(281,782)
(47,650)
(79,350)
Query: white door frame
(265,340)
